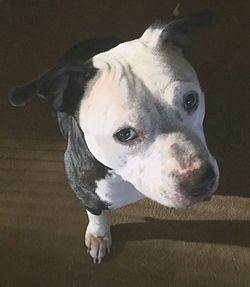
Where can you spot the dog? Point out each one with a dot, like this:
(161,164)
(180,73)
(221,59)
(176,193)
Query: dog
(132,114)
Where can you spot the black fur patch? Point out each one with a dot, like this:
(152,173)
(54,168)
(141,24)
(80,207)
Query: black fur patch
(83,170)
(67,89)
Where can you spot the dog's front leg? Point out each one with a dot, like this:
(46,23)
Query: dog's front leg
(98,237)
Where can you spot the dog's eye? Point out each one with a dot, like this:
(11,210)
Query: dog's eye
(190,101)
(126,135)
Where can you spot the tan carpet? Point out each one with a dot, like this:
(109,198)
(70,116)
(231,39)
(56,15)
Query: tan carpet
(41,222)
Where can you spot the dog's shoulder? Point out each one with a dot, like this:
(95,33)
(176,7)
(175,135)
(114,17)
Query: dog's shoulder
(83,170)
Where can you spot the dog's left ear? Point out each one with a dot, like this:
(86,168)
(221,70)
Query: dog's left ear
(177,32)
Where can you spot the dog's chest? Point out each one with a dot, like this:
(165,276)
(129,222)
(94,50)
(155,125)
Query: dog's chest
(116,192)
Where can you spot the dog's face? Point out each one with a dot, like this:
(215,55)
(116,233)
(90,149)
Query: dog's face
(142,116)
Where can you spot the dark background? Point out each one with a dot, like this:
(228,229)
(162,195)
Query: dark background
(41,223)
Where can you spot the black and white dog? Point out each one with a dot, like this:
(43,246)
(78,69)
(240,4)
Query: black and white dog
(132,116)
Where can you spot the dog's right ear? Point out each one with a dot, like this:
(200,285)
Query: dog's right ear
(176,31)
(64,84)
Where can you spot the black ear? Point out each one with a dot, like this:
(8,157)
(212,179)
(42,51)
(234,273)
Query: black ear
(65,87)
(62,86)
(70,72)
(178,31)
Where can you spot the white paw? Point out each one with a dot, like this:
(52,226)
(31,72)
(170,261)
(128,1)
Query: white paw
(98,246)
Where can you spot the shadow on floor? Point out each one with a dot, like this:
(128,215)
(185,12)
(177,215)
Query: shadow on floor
(233,232)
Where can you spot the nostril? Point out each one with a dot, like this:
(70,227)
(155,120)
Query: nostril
(201,182)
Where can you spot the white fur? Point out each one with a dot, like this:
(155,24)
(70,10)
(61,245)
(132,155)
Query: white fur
(114,190)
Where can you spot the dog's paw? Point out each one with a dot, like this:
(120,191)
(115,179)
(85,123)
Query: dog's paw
(98,246)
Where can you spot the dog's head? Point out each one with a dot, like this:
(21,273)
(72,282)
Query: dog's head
(142,112)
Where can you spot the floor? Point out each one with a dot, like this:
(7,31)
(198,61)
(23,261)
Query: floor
(42,224)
